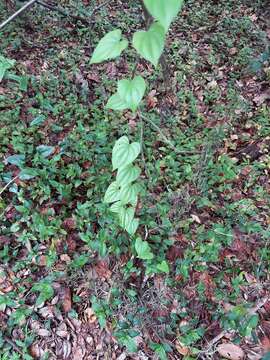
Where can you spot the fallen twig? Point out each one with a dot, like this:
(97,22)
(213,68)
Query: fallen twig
(8,184)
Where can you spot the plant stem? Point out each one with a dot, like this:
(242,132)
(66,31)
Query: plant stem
(142,148)
(165,139)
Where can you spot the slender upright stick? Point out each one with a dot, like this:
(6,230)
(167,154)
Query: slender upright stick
(23,8)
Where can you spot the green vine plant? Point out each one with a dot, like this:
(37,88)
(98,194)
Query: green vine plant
(149,44)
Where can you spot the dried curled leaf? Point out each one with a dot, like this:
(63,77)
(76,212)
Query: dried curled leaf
(231,351)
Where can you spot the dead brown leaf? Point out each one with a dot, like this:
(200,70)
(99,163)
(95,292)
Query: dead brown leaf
(182,349)
(90,315)
(230,351)
(103,270)
(66,299)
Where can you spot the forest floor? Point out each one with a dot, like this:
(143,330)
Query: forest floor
(70,284)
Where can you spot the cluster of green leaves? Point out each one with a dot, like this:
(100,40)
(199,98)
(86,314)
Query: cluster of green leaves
(5,66)
(123,192)
(149,45)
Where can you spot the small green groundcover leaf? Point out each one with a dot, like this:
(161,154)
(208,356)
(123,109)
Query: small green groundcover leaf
(27,174)
(150,44)
(45,150)
(38,120)
(163,267)
(129,94)
(143,249)
(17,160)
(5,64)
(109,47)
(124,153)
(163,10)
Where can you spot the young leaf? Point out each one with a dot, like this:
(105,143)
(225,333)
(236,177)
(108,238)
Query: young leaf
(131,91)
(109,47)
(124,153)
(143,249)
(113,193)
(127,174)
(150,44)
(163,10)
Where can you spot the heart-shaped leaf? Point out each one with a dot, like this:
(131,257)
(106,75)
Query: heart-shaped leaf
(113,193)
(129,193)
(131,91)
(126,216)
(132,227)
(163,10)
(124,153)
(143,249)
(116,103)
(150,44)
(116,207)
(109,47)
(127,174)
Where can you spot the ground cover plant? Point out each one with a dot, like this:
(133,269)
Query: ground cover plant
(193,280)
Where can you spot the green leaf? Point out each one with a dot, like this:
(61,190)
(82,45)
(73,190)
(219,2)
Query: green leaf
(124,153)
(109,47)
(132,227)
(127,174)
(131,91)
(27,174)
(163,266)
(45,150)
(129,193)
(113,193)
(130,344)
(143,249)
(23,83)
(150,44)
(5,64)
(17,160)
(116,207)
(116,103)
(163,11)
(126,216)
(38,120)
